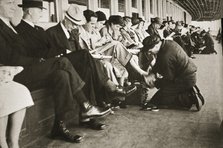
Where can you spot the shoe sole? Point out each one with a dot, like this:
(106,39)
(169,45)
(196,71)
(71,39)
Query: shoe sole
(57,137)
(155,110)
(198,103)
(150,109)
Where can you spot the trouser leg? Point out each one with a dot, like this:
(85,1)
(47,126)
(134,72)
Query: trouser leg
(60,76)
(82,65)
(92,72)
(63,96)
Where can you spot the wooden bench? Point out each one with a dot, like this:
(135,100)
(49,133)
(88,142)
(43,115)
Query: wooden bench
(39,118)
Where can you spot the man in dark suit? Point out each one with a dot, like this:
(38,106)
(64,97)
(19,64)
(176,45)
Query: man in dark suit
(57,72)
(177,74)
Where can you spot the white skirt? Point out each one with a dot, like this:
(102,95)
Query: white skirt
(13,97)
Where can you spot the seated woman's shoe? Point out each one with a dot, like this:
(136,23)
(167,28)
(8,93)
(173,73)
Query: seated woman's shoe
(116,104)
(149,107)
(94,124)
(60,131)
(123,104)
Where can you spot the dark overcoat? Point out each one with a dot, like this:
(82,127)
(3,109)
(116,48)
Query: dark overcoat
(178,76)
(58,72)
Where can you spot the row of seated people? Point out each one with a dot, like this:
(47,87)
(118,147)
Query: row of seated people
(53,58)
(85,59)
(193,40)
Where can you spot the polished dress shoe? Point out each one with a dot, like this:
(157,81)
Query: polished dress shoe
(94,112)
(60,131)
(93,124)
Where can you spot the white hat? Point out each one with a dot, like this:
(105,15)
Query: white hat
(75,14)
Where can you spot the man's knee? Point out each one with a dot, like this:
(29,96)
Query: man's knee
(60,76)
(64,60)
(65,64)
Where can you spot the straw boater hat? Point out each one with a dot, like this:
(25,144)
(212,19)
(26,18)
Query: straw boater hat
(75,15)
(32,4)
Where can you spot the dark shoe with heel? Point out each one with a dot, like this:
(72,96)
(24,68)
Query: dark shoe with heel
(116,104)
(60,131)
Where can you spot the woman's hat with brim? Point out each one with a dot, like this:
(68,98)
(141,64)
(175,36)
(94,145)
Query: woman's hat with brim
(32,4)
(75,15)
(158,20)
(101,16)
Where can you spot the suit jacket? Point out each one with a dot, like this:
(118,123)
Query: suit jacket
(12,48)
(37,44)
(173,63)
(59,42)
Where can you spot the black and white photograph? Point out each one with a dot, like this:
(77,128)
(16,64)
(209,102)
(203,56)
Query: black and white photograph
(111,74)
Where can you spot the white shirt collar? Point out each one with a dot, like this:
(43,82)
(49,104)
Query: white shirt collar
(65,30)
(7,22)
(28,22)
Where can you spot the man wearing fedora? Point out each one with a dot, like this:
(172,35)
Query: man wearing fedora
(58,73)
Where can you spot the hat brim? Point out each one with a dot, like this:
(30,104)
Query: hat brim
(80,21)
(26,6)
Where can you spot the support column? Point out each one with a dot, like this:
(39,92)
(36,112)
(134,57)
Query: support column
(59,10)
(93,5)
(114,7)
(147,10)
(128,8)
(62,6)
(164,9)
(160,8)
(139,6)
